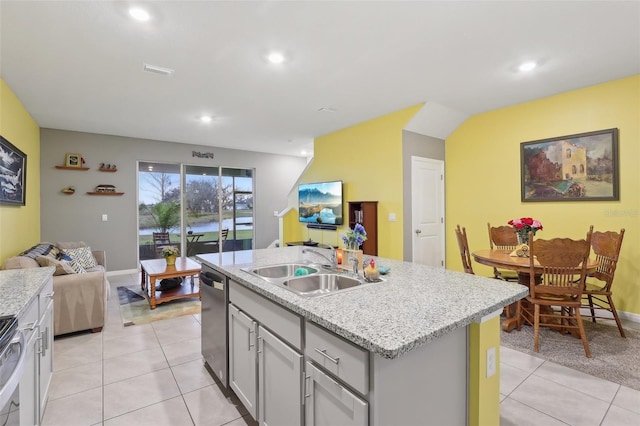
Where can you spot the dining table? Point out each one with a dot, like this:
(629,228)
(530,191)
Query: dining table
(505,259)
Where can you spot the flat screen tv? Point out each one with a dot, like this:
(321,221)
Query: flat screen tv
(320,203)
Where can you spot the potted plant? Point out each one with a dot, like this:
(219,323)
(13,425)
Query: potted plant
(170,253)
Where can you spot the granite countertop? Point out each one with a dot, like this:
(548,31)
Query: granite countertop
(19,286)
(414,305)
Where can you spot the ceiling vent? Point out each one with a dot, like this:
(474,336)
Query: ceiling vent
(158,70)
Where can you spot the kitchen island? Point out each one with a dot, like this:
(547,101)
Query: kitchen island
(412,335)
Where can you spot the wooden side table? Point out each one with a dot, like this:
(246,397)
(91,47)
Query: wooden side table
(155,270)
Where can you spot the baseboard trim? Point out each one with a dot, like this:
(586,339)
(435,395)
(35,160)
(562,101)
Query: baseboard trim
(122,272)
(629,316)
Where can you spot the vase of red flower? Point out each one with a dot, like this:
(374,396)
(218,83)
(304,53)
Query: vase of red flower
(523,226)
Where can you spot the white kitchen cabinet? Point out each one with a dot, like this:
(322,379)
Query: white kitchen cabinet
(242,358)
(46,352)
(329,403)
(279,381)
(36,322)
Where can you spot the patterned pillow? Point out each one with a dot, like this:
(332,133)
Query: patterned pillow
(82,255)
(42,249)
(62,266)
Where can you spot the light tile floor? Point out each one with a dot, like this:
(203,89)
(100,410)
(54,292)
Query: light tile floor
(153,375)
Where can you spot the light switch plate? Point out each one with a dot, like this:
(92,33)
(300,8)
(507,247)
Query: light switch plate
(491,361)
(392,217)
(105,218)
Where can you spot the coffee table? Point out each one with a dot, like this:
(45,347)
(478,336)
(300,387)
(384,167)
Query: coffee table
(155,270)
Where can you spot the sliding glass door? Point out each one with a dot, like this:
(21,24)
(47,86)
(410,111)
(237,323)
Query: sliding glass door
(201,209)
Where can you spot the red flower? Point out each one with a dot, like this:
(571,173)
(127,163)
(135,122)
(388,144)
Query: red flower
(527,221)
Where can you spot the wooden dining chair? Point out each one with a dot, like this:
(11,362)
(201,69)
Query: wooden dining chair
(597,293)
(160,239)
(559,285)
(503,238)
(463,245)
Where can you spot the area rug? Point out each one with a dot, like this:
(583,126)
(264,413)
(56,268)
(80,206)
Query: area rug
(134,307)
(613,358)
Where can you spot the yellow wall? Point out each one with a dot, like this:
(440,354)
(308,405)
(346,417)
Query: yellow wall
(483,174)
(368,159)
(484,392)
(20,225)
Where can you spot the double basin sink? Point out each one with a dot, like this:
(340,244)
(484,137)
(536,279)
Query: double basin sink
(312,280)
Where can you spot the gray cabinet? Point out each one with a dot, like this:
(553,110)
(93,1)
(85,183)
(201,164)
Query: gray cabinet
(328,403)
(279,381)
(272,374)
(242,358)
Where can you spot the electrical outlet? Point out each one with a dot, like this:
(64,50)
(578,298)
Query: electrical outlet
(491,361)
(105,217)
(275,213)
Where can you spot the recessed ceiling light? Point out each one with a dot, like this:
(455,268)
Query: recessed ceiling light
(527,66)
(206,118)
(276,57)
(139,14)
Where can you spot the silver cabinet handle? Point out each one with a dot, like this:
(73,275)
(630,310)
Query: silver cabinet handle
(30,326)
(306,387)
(249,335)
(323,352)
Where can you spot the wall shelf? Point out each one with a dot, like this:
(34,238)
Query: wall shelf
(105,193)
(72,168)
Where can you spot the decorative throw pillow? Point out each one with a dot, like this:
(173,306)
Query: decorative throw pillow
(62,267)
(82,255)
(41,249)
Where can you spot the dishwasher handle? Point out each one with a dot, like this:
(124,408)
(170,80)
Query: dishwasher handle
(212,280)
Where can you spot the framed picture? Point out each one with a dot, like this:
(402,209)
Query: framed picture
(73,160)
(582,167)
(13,174)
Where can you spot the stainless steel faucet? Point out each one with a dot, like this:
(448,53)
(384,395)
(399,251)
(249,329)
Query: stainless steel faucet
(332,258)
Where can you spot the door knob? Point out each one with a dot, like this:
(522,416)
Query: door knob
(418,231)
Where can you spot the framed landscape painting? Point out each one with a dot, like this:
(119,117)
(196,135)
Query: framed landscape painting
(582,167)
(13,174)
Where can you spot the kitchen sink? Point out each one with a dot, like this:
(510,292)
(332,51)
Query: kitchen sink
(319,284)
(279,272)
(320,280)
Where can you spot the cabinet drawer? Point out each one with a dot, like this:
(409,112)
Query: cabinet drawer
(279,320)
(345,360)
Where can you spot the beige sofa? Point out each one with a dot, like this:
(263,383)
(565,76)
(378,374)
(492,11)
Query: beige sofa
(79,300)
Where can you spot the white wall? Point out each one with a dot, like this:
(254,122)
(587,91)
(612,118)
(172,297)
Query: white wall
(78,216)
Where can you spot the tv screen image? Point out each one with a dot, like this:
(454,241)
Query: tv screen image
(320,203)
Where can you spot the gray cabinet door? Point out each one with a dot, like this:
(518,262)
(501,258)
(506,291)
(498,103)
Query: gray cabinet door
(328,403)
(242,358)
(279,382)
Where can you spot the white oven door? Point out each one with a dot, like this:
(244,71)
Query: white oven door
(12,361)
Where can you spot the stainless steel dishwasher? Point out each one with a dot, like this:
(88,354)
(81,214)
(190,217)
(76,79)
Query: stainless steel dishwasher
(215,338)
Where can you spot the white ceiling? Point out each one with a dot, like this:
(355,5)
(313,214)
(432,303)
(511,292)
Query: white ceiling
(77,65)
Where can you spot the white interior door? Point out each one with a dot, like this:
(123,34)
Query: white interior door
(427,198)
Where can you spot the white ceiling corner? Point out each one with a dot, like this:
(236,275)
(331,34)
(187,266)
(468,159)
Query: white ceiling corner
(436,120)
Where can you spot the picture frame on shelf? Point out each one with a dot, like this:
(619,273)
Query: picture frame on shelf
(580,167)
(13,179)
(73,160)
